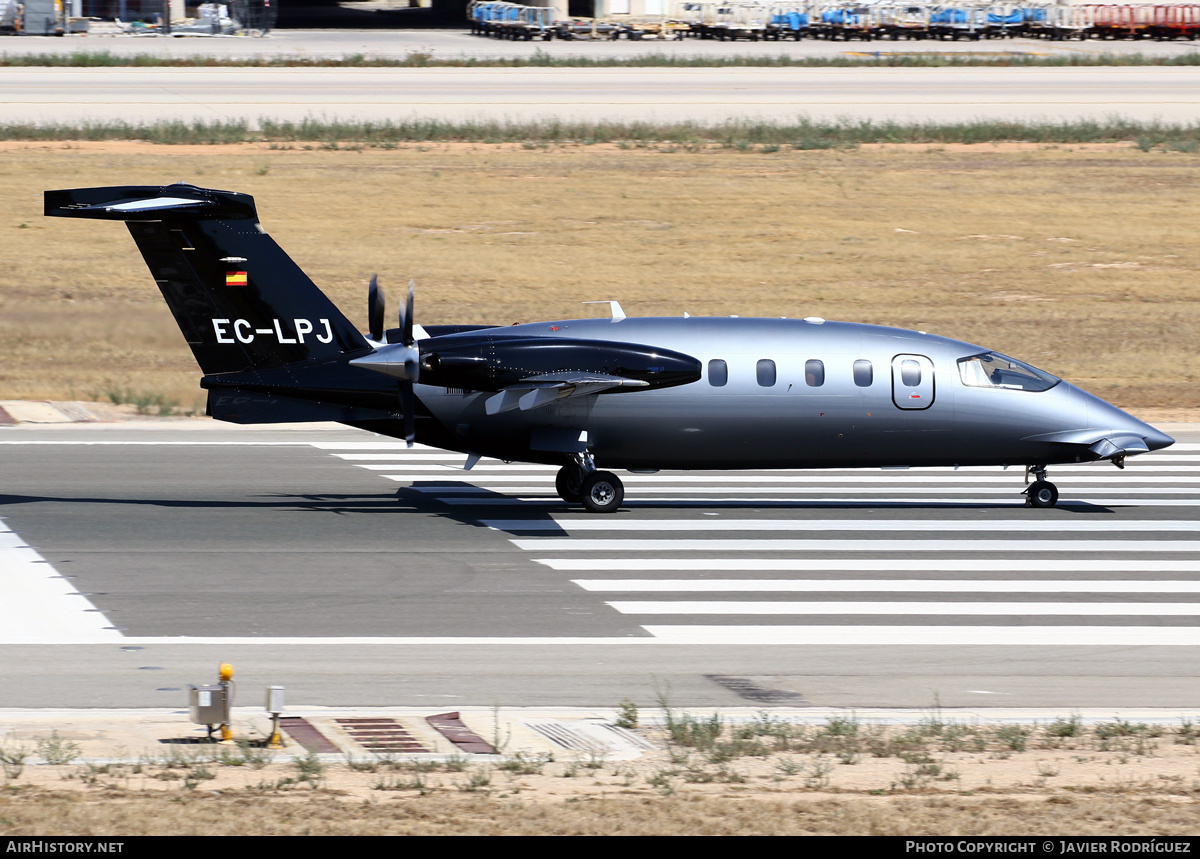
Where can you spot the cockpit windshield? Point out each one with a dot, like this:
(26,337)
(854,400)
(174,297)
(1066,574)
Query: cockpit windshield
(993,370)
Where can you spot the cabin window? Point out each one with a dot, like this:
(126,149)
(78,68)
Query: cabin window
(814,373)
(864,374)
(766,373)
(718,373)
(910,373)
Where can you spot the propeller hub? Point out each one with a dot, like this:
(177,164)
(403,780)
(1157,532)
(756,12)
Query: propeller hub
(399,360)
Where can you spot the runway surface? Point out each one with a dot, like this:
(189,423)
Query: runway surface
(627,94)
(361,573)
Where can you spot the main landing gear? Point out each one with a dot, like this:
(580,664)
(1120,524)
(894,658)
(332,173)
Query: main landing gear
(1040,493)
(580,483)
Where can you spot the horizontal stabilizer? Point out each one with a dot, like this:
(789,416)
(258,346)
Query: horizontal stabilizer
(134,202)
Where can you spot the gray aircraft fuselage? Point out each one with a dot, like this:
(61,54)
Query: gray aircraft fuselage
(791,423)
(641,394)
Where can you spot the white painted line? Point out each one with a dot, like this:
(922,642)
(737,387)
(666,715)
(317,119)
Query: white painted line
(873,565)
(524,471)
(423,461)
(1146,547)
(360,641)
(771,636)
(399,459)
(1011,526)
(464,482)
(191,443)
(958,636)
(898,586)
(377,445)
(37,606)
(963,609)
(470,497)
(808,477)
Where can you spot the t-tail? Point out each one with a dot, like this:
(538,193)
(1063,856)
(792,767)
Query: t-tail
(272,346)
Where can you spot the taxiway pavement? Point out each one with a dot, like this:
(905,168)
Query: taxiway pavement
(147,95)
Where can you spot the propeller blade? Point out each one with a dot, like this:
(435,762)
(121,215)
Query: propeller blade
(376,308)
(406,317)
(408,402)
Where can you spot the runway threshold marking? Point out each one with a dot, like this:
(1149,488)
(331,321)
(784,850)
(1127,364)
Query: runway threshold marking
(39,606)
(1013,526)
(1016,544)
(892,586)
(62,615)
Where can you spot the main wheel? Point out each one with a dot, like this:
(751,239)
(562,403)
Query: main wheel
(601,492)
(1043,493)
(567,483)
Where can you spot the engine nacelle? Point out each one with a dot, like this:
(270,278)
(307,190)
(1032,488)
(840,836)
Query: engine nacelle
(489,363)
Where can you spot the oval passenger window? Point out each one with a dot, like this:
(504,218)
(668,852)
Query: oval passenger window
(718,373)
(814,373)
(766,372)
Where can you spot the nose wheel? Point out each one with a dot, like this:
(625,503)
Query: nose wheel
(601,492)
(1040,493)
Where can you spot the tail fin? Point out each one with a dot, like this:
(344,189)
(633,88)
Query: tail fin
(238,298)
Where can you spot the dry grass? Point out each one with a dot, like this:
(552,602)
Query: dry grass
(61,813)
(1081,260)
(768,776)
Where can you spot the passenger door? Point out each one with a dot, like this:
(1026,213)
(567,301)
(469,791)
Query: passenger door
(912,382)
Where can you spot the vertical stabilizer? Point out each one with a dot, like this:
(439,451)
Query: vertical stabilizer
(239,300)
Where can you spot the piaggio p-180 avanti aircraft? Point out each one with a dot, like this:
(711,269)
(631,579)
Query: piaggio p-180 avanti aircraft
(637,394)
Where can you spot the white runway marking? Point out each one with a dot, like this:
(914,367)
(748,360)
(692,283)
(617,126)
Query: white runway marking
(37,606)
(401,448)
(1016,544)
(802,478)
(944,636)
(1005,500)
(199,442)
(898,565)
(1014,526)
(898,586)
(1033,556)
(900,609)
(453,493)
(427,463)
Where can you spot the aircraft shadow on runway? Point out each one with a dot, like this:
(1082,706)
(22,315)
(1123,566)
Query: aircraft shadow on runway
(467,508)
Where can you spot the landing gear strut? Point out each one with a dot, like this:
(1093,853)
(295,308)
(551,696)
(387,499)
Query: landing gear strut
(580,482)
(1040,493)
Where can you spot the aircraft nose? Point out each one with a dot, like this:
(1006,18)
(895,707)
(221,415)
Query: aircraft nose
(1156,440)
(1123,427)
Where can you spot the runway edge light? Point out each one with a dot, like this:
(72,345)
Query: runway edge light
(225,671)
(274,706)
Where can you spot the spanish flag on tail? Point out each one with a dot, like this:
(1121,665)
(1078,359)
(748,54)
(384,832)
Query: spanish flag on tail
(235,278)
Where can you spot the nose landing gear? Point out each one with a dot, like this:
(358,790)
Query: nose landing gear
(580,483)
(1040,493)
